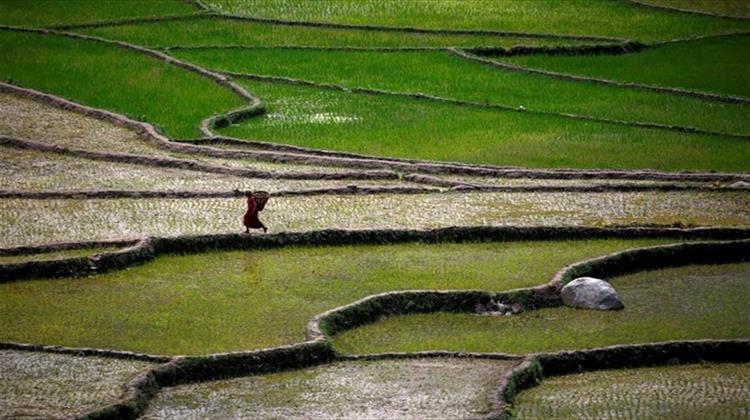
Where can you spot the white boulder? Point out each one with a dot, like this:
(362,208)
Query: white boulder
(590,293)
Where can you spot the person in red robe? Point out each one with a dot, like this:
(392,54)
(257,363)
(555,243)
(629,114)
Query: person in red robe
(250,220)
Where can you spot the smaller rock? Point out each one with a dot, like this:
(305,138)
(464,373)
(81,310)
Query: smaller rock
(590,293)
(494,308)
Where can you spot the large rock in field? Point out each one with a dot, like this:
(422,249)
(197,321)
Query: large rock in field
(590,293)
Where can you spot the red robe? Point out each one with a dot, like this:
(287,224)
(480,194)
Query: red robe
(251,215)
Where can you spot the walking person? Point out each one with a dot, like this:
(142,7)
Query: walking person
(254,205)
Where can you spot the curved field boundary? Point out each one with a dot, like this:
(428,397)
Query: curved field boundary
(469,55)
(148,248)
(648,5)
(83,352)
(458,168)
(208,13)
(518,50)
(128,21)
(354,189)
(375,307)
(317,350)
(297,47)
(348,190)
(254,105)
(293,154)
(134,252)
(698,38)
(417,30)
(206,127)
(62,246)
(191,165)
(536,367)
(435,354)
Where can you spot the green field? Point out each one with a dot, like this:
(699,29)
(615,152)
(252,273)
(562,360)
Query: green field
(601,17)
(686,303)
(243,300)
(716,391)
(725,7)
(106,76)
(40,13)
(419,79)
(715,65)
(203,31)
(406,127)
(447,75)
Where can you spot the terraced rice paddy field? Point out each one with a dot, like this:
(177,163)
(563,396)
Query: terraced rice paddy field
(437,172)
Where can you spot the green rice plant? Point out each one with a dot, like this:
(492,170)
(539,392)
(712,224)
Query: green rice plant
(413,388)
(225,301)
(722,7)
(691,302)
(39,13)
(46,385)
(713,65)
(582,17)
(716,391)
(222,31)
(443,74)
(28,221)
(120,80)
(413,128)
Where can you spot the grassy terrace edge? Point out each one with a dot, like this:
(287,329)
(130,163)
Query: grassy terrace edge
(181,370)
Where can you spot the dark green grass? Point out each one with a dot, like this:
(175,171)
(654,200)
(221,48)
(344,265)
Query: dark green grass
(705,391)
(226,301)
(105,76)
(722,7)
(404,127)
(692,302)
(720,65)
(36,13)
(586,17)
(443,74)
(215,31)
